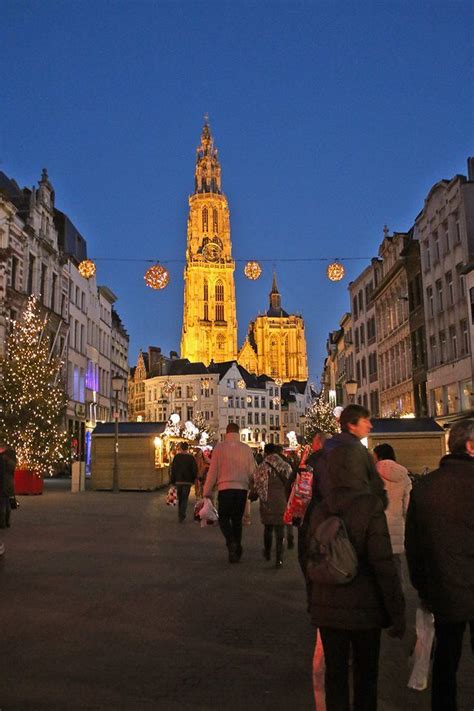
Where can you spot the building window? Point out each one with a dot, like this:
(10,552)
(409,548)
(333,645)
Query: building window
(439,291)
(429,298)
(427,255)
(437,401)
(31,271)
(54,284)
(354,308)
(220,342)
(442,346)
(14,272)
(205,219)
(219,312)
(458,230)
(206,312)
(450,288)
(464,337)
(433,351)
(452,398)
(215,224)
(466,394)
(219,291)
(447,245)
(436,243)
(206,290)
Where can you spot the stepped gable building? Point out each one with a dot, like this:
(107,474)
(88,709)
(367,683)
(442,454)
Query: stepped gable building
(276,343)
(209,318)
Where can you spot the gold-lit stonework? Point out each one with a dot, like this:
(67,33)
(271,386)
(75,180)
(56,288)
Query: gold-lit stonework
(276,343)
(335,271)
(209,315)
(87,268)
(252,270)
(157,277)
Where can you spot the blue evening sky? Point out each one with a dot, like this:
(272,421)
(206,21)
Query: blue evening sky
(331,120)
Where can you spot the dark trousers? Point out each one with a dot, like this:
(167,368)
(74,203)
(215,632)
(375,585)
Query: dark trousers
(449,637)
(183,496)
(365,646)
(5,509)
(231,506)
(268,536)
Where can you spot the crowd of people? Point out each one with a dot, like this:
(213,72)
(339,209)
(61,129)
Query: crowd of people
(362,513)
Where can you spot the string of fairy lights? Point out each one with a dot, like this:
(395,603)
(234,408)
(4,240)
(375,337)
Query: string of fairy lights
(157,276)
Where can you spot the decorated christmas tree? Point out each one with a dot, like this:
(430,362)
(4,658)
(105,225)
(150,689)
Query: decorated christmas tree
(33,403)
(320,417)
(206,434)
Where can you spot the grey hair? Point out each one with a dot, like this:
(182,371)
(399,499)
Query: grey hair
(459,434)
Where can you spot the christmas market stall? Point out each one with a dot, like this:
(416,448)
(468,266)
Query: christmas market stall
(419,442)
(142,456)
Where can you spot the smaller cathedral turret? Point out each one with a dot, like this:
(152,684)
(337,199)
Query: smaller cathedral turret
(275,301)
(276,343)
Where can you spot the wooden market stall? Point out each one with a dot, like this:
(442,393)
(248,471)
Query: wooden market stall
(419,442)
(143,456)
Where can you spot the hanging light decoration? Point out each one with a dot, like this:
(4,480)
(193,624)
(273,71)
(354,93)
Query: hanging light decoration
(335,271)
(276,400)
(195,397)
(249,399)
(225,398)
(157,276)
(252,270)
(87,268)
(241,384)
(279,382)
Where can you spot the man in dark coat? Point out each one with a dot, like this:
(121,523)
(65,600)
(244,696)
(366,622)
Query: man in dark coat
(439,543)
(352,615)
(183,475)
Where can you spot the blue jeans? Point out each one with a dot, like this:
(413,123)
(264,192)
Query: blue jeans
(183,496)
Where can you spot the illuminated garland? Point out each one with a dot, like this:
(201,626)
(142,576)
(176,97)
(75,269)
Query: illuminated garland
(32,418)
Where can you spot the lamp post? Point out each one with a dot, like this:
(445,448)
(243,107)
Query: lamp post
(351,390)
(117,385)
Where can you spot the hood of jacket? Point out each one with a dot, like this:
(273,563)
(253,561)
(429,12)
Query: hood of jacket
(391,471)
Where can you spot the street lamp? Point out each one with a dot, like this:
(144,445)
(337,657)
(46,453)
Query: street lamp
(351,389)
(117,385)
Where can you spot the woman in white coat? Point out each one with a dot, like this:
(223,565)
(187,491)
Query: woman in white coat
(398,486)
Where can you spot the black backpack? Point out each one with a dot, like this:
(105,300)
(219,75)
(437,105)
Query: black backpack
(332,559)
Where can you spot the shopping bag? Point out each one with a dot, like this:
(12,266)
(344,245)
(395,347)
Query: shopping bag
(300,497)
(197,509)
(208,514)
(422,653)
(171,496)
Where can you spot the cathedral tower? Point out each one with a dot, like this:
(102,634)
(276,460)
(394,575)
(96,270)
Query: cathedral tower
(276,343)
(209,318)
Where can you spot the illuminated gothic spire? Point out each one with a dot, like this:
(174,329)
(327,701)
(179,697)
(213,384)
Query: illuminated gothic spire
(208,169)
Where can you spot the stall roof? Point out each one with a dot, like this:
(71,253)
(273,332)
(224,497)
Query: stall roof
(130,428)
(402,425)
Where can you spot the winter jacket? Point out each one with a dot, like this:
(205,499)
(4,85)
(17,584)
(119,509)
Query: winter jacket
(183,469)
(345,455)
(278,472)
(374,598)
(439,538)
(398,486)
(232,464)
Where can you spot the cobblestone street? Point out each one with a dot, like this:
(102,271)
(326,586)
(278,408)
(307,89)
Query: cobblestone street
(109,603)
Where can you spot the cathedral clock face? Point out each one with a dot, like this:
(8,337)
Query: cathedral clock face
(212,251)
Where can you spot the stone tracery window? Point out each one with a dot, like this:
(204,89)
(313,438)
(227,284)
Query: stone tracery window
(215,222)
(205,219)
